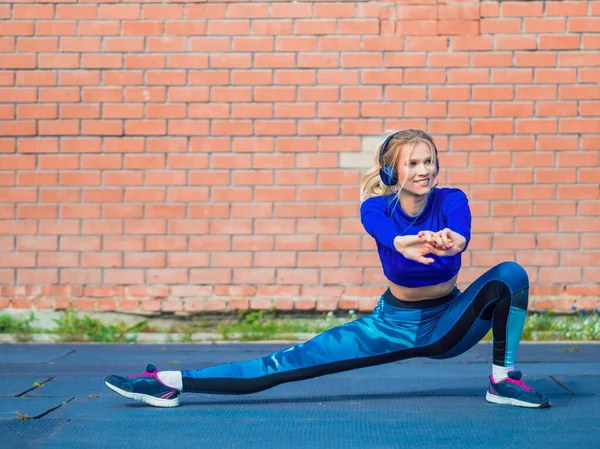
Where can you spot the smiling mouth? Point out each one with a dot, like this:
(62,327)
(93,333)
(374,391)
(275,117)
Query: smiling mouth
(422,182)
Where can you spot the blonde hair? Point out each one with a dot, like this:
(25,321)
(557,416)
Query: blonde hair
(371,184)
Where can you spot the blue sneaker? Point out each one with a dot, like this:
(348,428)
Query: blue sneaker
(145,387)
(512,391)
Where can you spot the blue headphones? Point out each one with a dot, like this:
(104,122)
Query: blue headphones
(388,174)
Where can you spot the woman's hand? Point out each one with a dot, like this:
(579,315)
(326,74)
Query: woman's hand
(445,242)
(414,248)
(441,239)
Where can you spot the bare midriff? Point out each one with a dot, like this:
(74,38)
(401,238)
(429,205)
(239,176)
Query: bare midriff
(423,293)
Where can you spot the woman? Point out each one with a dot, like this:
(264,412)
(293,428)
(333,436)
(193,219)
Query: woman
(420,232)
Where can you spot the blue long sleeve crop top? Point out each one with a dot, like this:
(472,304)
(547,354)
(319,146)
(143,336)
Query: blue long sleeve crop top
(384,220)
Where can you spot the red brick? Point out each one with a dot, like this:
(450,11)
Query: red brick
(228,27)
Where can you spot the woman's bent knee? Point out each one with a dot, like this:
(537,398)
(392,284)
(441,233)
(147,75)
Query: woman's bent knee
(513,274)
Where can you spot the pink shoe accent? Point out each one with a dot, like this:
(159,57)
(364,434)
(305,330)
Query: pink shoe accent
(153,374)
(519,383)
(512,381)
(146,374)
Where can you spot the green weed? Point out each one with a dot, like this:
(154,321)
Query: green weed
(188,328)
(21,329)
(258,325)
(71,327)
(550,326)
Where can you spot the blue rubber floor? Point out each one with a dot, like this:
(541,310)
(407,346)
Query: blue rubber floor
(53,396)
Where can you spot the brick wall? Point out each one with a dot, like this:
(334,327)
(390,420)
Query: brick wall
(207,155)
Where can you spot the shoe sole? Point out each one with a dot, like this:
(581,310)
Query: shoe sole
(510,401)
(151,400)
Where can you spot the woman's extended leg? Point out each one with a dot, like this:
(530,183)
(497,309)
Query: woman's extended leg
(362,342)
(388,334)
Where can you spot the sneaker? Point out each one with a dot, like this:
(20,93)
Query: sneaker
(145,387)
(512,391)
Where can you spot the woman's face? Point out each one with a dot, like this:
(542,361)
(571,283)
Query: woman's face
(418,169)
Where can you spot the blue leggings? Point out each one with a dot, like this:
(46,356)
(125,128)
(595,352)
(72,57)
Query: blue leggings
(396,330)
